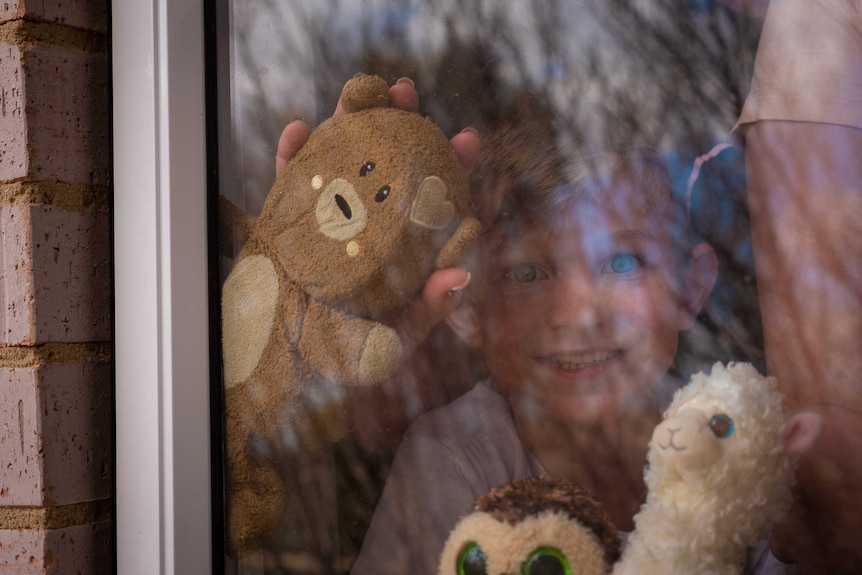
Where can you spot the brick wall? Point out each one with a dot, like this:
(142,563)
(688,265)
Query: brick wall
(56,401)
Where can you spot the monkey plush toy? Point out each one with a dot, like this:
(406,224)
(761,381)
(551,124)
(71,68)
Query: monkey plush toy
(533,526)
(371,205)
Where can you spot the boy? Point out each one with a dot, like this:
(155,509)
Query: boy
(583,279)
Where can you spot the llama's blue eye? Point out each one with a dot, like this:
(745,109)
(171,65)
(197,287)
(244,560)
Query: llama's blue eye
(472,560)
(721,426)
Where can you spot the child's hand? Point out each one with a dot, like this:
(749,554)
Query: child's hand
(442,291)
(403,96)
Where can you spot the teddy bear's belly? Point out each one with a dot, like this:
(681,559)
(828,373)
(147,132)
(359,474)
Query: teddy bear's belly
(249,300)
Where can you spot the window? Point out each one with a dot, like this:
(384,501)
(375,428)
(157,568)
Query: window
(195,160)
(163,516)
(595,73)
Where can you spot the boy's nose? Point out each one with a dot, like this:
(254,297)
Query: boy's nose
(576,302)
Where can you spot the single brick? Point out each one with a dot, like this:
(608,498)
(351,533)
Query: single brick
(77,549)
(13,145)
(87,14)
(22,551)
(16,276)
(55,275)
(55,446)
(68,110)
(20,461)
(64,94)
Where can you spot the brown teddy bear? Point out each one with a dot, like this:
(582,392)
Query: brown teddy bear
(372,204)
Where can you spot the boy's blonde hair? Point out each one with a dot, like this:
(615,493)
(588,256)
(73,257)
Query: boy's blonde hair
(524,178)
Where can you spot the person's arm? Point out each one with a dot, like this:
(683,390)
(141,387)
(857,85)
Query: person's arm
(424,497)
(805,193)
(802,126)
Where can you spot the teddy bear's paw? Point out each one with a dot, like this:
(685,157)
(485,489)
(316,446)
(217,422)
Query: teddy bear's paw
(381,355)
(468,230)
(254,516)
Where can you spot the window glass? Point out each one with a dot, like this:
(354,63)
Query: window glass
(615,260)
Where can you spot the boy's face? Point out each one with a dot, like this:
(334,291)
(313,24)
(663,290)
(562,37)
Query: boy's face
(583,317)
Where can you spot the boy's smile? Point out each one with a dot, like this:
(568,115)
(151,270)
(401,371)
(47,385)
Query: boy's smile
(579,362)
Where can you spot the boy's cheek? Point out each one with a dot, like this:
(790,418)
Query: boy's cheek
(499,322)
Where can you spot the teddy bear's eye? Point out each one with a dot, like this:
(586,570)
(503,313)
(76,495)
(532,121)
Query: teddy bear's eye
(366,167)
(721,426)
(382,194)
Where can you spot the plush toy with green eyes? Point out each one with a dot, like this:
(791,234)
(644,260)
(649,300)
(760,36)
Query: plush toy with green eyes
(533,526)
(368,208)
(719,476)
(720,470)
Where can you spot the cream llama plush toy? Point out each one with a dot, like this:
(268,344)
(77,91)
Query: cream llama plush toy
(720,470)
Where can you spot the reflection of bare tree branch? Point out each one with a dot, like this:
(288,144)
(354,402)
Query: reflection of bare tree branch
(657,72)
(699,61)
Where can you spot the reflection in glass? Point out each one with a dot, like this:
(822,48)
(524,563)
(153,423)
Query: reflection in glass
(587,75)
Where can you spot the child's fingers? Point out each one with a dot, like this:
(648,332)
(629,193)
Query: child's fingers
(440,296)
(292,138)
(467,148)
(339,109)
(403,95)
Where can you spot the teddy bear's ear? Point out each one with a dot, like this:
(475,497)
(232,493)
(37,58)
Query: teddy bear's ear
(431,207)
(364,92)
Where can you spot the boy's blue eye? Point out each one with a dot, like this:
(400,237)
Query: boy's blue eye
(524,274)
(624,263)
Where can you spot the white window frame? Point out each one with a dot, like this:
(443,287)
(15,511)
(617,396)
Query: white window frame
(163,484)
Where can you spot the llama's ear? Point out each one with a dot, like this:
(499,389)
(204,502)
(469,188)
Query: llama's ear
(802,432)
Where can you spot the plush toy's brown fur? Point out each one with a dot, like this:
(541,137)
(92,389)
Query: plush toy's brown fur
(517,523)
(368,208)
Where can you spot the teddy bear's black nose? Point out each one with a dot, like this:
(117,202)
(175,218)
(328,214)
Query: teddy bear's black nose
(343,206)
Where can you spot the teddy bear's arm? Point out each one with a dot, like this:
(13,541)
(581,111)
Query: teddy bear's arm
(348,349)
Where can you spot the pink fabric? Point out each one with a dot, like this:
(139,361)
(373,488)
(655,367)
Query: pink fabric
(809,64)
